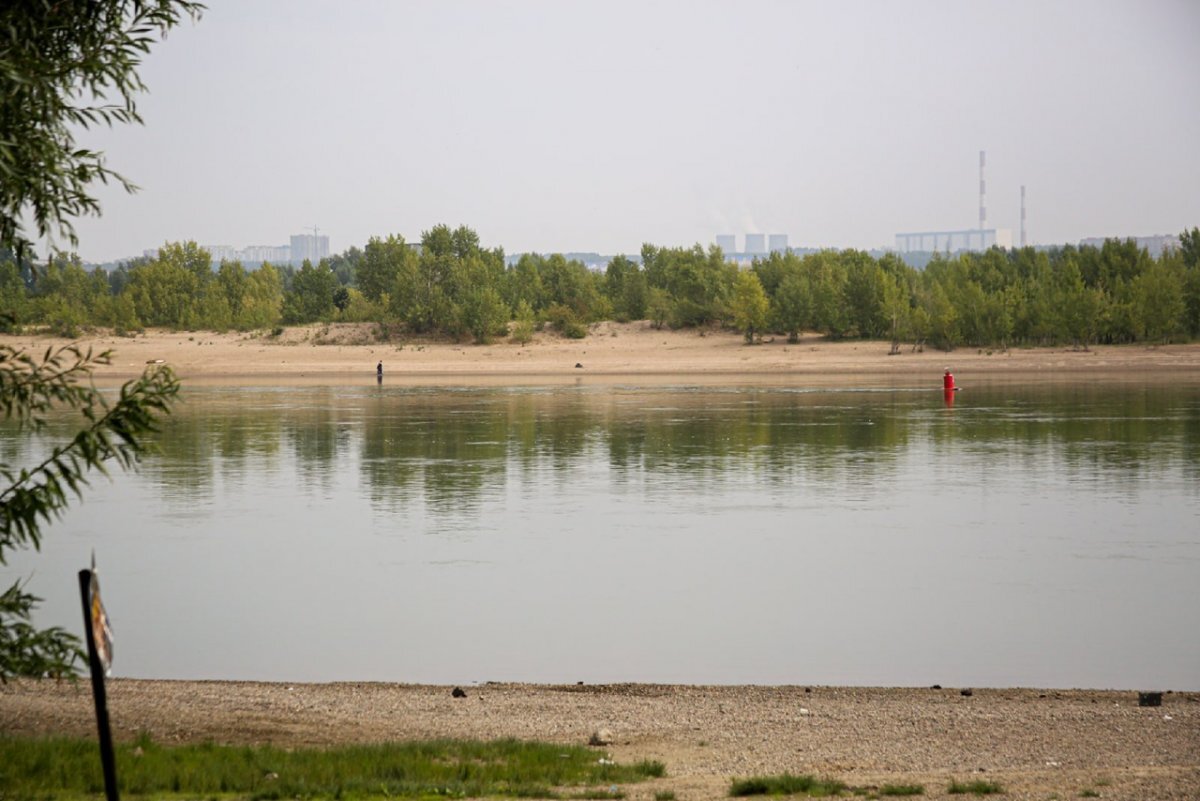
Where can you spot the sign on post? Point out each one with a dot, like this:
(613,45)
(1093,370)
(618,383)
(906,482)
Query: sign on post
(98,634)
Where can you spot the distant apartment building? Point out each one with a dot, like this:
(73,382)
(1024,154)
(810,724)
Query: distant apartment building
(303,246)
(969,239)
(1154,245)
(777,243)
(310,247)
(266,254)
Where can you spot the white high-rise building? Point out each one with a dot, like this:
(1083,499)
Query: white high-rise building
(312,247)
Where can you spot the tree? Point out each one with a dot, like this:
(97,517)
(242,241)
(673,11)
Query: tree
(381,264)
(522,331)
(311,295)
(484,313)
(749,305)
(1158,302)
(167,290)
(35,496)
(793,308)
(896,310)
(262,303)
(64,67)
(1189,243)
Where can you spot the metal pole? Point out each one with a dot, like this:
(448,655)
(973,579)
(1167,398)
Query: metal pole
(107,760)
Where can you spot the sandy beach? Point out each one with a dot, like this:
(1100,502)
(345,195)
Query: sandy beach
(612,351)
(1037,744)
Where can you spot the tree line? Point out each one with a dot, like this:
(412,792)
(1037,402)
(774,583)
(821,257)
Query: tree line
(449,285)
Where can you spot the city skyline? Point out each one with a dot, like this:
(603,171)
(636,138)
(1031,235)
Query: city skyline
(558,127)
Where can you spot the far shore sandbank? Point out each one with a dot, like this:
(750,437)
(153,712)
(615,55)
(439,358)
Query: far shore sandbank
(612,353)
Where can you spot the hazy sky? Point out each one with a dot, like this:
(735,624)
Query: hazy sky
(556,126)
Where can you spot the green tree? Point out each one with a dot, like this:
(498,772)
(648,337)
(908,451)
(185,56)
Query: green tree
(863,293)
(1189,244)
(749,305)
(793,305)
(626,288)
(1189,254)
(382,263)
(523,282)
(658,306)
(942,317)
(897,310)
(64,67)
(484,313)
(167,290)
(827,281)
(522,331)
(311,295)
(262,302)
(1158,302)
(14,295)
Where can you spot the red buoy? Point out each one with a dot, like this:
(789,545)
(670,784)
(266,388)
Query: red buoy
(948,381)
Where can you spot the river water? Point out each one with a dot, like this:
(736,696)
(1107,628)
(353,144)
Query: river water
(1026,535)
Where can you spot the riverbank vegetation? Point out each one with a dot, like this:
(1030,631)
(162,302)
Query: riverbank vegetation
(449,285)
(69,768)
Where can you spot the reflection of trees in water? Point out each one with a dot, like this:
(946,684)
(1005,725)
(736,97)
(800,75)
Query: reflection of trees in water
(777,440)
(1103,433)
(317,443)
(450,450)
(195,448)
(443,450)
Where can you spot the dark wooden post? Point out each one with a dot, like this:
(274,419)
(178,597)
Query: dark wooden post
(107,759)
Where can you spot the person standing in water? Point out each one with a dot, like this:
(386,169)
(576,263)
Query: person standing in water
(379,370)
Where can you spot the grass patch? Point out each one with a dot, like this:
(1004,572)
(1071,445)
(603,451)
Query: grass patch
(664,795)
(786,784)
(70,768)
(902,789)
(974,788)
(1089,794)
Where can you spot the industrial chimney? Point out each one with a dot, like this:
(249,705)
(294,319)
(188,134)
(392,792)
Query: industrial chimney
(1022,215)
(982,191)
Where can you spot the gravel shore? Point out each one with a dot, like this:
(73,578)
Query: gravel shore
(1037,744)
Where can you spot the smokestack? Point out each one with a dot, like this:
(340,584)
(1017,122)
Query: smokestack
(982,191)
(1022,215)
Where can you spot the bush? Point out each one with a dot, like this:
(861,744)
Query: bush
(522,330)
(786,784)
(565,320)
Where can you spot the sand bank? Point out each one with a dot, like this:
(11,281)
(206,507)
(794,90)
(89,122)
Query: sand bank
(612,351)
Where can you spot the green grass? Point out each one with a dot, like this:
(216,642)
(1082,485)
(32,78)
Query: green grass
(1089,794)
(902,789)
(975,788)
(786,784)
(664,795)
(49,769)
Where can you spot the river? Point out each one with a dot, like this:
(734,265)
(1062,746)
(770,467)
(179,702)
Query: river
(1040,535)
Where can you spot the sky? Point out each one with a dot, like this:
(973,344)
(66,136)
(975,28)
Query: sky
(557,126)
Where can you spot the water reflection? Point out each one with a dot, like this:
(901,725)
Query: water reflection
(449,448)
